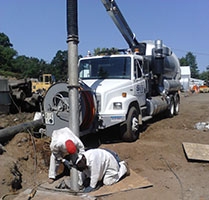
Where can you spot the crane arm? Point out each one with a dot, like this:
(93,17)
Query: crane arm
(120,22)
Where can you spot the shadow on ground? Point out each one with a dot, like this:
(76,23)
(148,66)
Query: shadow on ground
(112,135)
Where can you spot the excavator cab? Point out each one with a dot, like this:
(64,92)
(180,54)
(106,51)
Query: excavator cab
(42,85)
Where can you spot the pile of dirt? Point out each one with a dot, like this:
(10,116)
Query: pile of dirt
(25,159)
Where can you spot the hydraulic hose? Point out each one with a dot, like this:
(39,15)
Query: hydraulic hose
(89,109)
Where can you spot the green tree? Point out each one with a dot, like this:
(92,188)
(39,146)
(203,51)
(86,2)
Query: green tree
(30,67)
(25,67)
(80,56)
(4,40)
(59,65)
(97,50)
(204,76)
(7,53)
(107,51)
(190,60)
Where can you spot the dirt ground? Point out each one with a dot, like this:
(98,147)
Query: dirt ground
(157,155)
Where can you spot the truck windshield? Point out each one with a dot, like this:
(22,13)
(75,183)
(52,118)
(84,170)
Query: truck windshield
(105,68)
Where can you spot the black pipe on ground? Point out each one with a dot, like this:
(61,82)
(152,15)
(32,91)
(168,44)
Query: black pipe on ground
(8,133)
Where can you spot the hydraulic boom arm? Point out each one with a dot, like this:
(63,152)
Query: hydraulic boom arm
(120,22)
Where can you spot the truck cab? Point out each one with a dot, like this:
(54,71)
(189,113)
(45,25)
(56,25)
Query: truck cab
(119,84)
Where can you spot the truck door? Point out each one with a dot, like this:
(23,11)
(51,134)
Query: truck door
(139,83)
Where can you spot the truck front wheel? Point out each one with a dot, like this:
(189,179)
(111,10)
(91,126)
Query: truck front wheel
(129,130)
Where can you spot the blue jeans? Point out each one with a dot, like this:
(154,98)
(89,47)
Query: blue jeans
(115,155)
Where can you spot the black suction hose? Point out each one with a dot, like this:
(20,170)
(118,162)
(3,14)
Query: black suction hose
(72,18)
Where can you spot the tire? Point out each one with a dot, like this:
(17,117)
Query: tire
(177,105)
(171,108)
(129,130)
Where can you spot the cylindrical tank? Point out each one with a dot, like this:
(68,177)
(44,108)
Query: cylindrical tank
(171,67)
(170,63)
(56,107)
(171,85)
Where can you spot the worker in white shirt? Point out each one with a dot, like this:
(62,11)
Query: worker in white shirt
(64,142)
(101,165)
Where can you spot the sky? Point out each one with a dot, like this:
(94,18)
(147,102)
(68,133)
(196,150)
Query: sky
(37,28)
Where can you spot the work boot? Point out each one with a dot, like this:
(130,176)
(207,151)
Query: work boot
(127,167)
(51,180)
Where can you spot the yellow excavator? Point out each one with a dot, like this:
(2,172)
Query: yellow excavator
(42,85)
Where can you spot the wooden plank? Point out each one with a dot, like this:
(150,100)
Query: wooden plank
(49,195)
(195,151)
(134,181)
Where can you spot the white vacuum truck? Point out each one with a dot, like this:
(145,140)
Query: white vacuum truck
(125,89)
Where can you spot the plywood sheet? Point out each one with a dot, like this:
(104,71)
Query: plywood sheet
(195,151)
(49,192)
(134,181)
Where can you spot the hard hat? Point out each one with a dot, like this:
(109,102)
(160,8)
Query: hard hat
(70,146)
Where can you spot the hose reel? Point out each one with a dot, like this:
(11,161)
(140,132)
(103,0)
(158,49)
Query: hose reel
(56,107)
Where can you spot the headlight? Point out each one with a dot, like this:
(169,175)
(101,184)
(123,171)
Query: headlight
(117,105)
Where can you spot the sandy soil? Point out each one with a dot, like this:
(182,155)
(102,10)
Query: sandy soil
(157,155)
(25,160)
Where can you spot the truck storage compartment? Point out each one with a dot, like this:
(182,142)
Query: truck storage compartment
(155,105)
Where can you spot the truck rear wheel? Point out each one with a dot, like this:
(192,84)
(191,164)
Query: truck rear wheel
(129,130)
(171,107)
(177,105)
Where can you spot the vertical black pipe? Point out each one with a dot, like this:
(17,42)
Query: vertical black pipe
(72,18)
